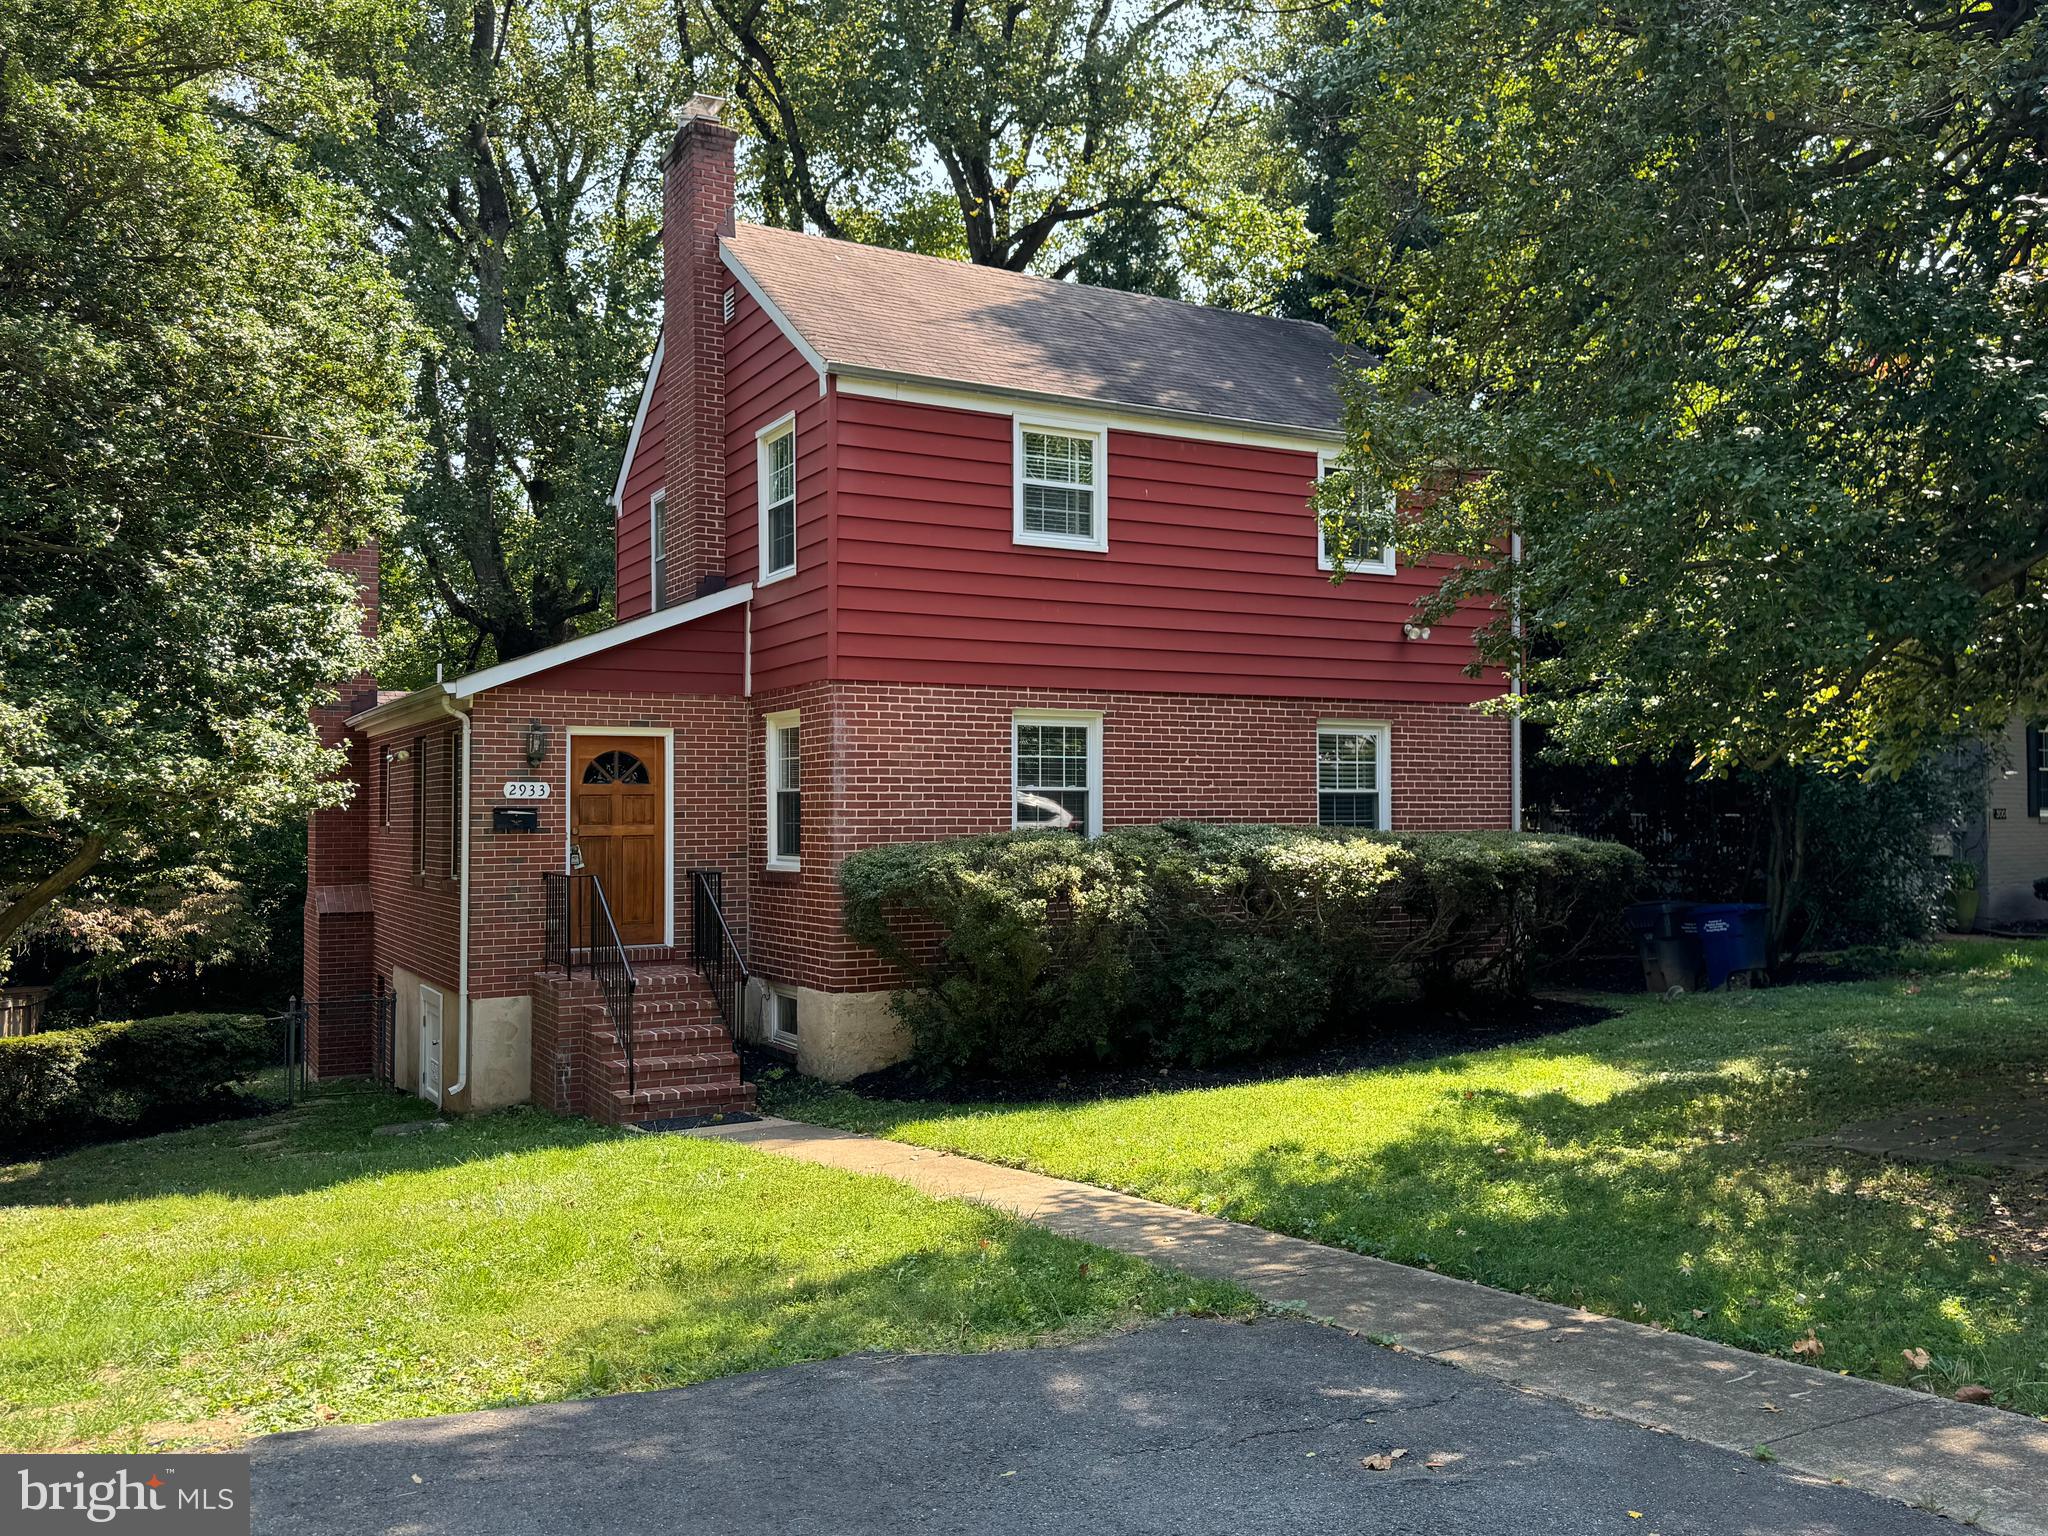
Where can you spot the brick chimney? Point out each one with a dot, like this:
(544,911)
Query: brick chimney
(338,977)
(697,208)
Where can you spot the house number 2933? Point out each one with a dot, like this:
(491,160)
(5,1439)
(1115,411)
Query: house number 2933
(526,789)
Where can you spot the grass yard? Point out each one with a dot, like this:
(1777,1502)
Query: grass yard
(1647,1167)
(278,1273)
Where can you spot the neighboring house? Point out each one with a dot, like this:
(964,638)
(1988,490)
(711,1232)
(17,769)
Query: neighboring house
(2010,848)
(907,549)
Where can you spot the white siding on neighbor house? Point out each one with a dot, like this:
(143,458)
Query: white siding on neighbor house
(2016,846)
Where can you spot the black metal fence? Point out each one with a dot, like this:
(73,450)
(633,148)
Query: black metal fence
(355,1035)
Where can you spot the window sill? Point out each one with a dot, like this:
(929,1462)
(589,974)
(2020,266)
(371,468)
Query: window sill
(783,867)
(1077,546)
(769,578)
(1370,568)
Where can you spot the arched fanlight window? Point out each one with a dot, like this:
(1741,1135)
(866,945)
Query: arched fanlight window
(615,768)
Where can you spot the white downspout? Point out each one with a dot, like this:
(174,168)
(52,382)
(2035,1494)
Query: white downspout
(461,1083)
(1515,691)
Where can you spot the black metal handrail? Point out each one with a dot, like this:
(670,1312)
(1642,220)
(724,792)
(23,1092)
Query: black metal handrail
(578,917)
(713,950)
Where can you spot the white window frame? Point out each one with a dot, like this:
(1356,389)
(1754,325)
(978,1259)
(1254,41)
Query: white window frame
(1383,742)
(1096,433)
(775,725)
(1383,566)
(783,426)
(772,999)
(657,551)
(1092,719)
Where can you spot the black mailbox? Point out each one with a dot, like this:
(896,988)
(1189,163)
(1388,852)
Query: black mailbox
(514,818)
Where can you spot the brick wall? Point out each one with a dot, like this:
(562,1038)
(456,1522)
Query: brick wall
(901,763)
(697,208)
(416,912)
(339,923)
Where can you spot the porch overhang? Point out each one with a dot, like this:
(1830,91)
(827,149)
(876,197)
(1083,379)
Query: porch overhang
(434,701)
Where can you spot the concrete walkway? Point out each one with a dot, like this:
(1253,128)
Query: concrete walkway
(1976,1464)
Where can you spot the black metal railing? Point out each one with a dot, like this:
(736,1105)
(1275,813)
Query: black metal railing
(577,927)
(713,950)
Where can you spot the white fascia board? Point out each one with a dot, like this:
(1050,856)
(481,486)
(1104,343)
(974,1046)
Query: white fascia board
(639,422)
(809,353)
(1129,418)
(591,645)
(419,706)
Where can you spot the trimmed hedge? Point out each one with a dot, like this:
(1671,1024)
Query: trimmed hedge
(1191,943)
(70,1085)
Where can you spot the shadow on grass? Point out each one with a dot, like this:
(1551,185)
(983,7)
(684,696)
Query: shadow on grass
(326,1140)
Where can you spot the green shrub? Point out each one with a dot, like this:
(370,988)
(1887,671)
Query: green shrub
(1190,943)
(39,1084)
(110,1079)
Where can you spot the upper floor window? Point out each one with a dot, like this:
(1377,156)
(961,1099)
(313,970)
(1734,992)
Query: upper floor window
(657,551)
(1376,561)
(777,475)
(785,791)
(419,805)
(1351,775)
(1056,772)
(1062,480)
(455,806)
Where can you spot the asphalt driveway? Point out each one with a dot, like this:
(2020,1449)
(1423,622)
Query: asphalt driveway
(1187,1427)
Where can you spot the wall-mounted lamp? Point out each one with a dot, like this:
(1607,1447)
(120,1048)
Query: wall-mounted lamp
(536,744)
(1415,631)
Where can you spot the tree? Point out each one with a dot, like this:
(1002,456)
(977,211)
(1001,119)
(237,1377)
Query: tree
(201,388)
(1046,137)
(512,157)
(1731,316)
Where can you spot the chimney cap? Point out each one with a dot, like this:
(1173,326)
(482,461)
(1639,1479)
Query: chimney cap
(702,106)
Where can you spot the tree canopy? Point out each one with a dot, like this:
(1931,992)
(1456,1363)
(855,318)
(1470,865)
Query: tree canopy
(1713,333)
(201,390)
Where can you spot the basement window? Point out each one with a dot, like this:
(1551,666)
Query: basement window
(779,1016)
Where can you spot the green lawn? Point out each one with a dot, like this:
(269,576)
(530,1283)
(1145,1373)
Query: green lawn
(277,1273)
(1647,1167)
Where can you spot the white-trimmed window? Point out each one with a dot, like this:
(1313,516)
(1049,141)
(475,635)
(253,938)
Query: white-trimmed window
(455,806)
(657,551)
(778,1010)
(1362,562)
(785,791)
(1062,487)
(1056,771)
(776,472)
(1351,774)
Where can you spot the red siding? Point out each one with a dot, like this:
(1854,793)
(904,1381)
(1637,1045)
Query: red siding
(766,379)
(643,479)
(1209,584)
(703,656)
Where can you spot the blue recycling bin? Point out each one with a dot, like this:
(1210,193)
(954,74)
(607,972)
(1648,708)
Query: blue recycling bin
(1733,941)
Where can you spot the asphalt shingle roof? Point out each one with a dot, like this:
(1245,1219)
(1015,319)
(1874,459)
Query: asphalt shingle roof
(880,311)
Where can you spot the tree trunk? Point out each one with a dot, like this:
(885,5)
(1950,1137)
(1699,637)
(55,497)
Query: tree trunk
(49,888)
(1785,872)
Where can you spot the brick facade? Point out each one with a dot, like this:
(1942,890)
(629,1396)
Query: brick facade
(901,763)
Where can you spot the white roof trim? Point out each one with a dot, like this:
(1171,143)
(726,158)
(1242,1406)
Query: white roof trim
(1127,418)
(810,353)
(589,645)
(639,421)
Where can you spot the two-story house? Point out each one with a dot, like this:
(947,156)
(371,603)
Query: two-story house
(907,548)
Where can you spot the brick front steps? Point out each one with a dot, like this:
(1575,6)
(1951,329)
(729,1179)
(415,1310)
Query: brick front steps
(684,1064)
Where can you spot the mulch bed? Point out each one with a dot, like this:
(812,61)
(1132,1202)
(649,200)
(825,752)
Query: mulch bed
(1404,1035)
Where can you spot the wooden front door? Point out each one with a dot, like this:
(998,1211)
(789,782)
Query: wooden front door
(615,822)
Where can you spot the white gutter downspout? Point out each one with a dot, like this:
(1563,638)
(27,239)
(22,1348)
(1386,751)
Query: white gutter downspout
(1515,691)
(461,1083)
